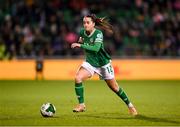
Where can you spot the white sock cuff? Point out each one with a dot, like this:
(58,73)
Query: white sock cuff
(130,105)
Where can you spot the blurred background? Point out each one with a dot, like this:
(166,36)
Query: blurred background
(35,39)
(29,28)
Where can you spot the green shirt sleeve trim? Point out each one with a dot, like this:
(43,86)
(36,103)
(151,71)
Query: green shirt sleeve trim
(96,47)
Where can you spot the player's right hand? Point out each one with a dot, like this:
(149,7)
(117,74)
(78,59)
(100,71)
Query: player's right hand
(75,45)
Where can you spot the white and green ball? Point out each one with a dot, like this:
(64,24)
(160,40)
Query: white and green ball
(48,110)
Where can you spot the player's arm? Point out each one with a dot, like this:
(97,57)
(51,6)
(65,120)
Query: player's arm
(97,44)
(96,47)
(80,40)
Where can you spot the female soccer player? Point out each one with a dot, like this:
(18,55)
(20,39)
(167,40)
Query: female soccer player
(97,61)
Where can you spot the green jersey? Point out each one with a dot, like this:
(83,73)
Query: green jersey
(94,49)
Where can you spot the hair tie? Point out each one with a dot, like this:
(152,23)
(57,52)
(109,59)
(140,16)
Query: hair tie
(99,20)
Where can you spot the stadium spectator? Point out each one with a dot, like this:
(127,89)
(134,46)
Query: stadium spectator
(142,28)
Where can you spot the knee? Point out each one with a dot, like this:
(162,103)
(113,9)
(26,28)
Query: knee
(78,78)
(115,88)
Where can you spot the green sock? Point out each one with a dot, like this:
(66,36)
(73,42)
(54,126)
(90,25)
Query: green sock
(79,92)
(123,96)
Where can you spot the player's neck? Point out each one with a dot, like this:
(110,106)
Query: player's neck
(89,32)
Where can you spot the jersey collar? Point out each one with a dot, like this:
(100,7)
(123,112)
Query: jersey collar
(90,34)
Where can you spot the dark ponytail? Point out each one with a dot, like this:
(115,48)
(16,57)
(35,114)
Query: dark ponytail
(101,23)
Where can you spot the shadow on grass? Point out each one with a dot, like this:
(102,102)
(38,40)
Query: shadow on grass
(138,117)
(25,117)
(155,119)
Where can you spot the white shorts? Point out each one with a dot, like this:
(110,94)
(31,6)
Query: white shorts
(104,72)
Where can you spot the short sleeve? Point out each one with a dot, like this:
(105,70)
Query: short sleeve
(99,37)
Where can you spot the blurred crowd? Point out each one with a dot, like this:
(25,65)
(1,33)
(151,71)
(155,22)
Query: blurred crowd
(29,28)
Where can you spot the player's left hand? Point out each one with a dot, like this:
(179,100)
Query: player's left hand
(74,45)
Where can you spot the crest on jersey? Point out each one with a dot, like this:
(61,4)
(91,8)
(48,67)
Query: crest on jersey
(91,40)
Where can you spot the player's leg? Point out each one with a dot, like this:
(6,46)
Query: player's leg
(80,76)
(113,85)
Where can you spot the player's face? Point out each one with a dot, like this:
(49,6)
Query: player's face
(88,24)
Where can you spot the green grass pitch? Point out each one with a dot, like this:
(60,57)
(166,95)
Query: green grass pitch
(158,103)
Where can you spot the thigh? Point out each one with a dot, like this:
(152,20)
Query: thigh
(83,73)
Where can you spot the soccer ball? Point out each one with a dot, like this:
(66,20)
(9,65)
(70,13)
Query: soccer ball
(47,110)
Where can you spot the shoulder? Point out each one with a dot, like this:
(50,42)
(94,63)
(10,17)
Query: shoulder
(98,31)
(99,35)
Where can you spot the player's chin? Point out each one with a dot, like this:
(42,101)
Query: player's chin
(86,28)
